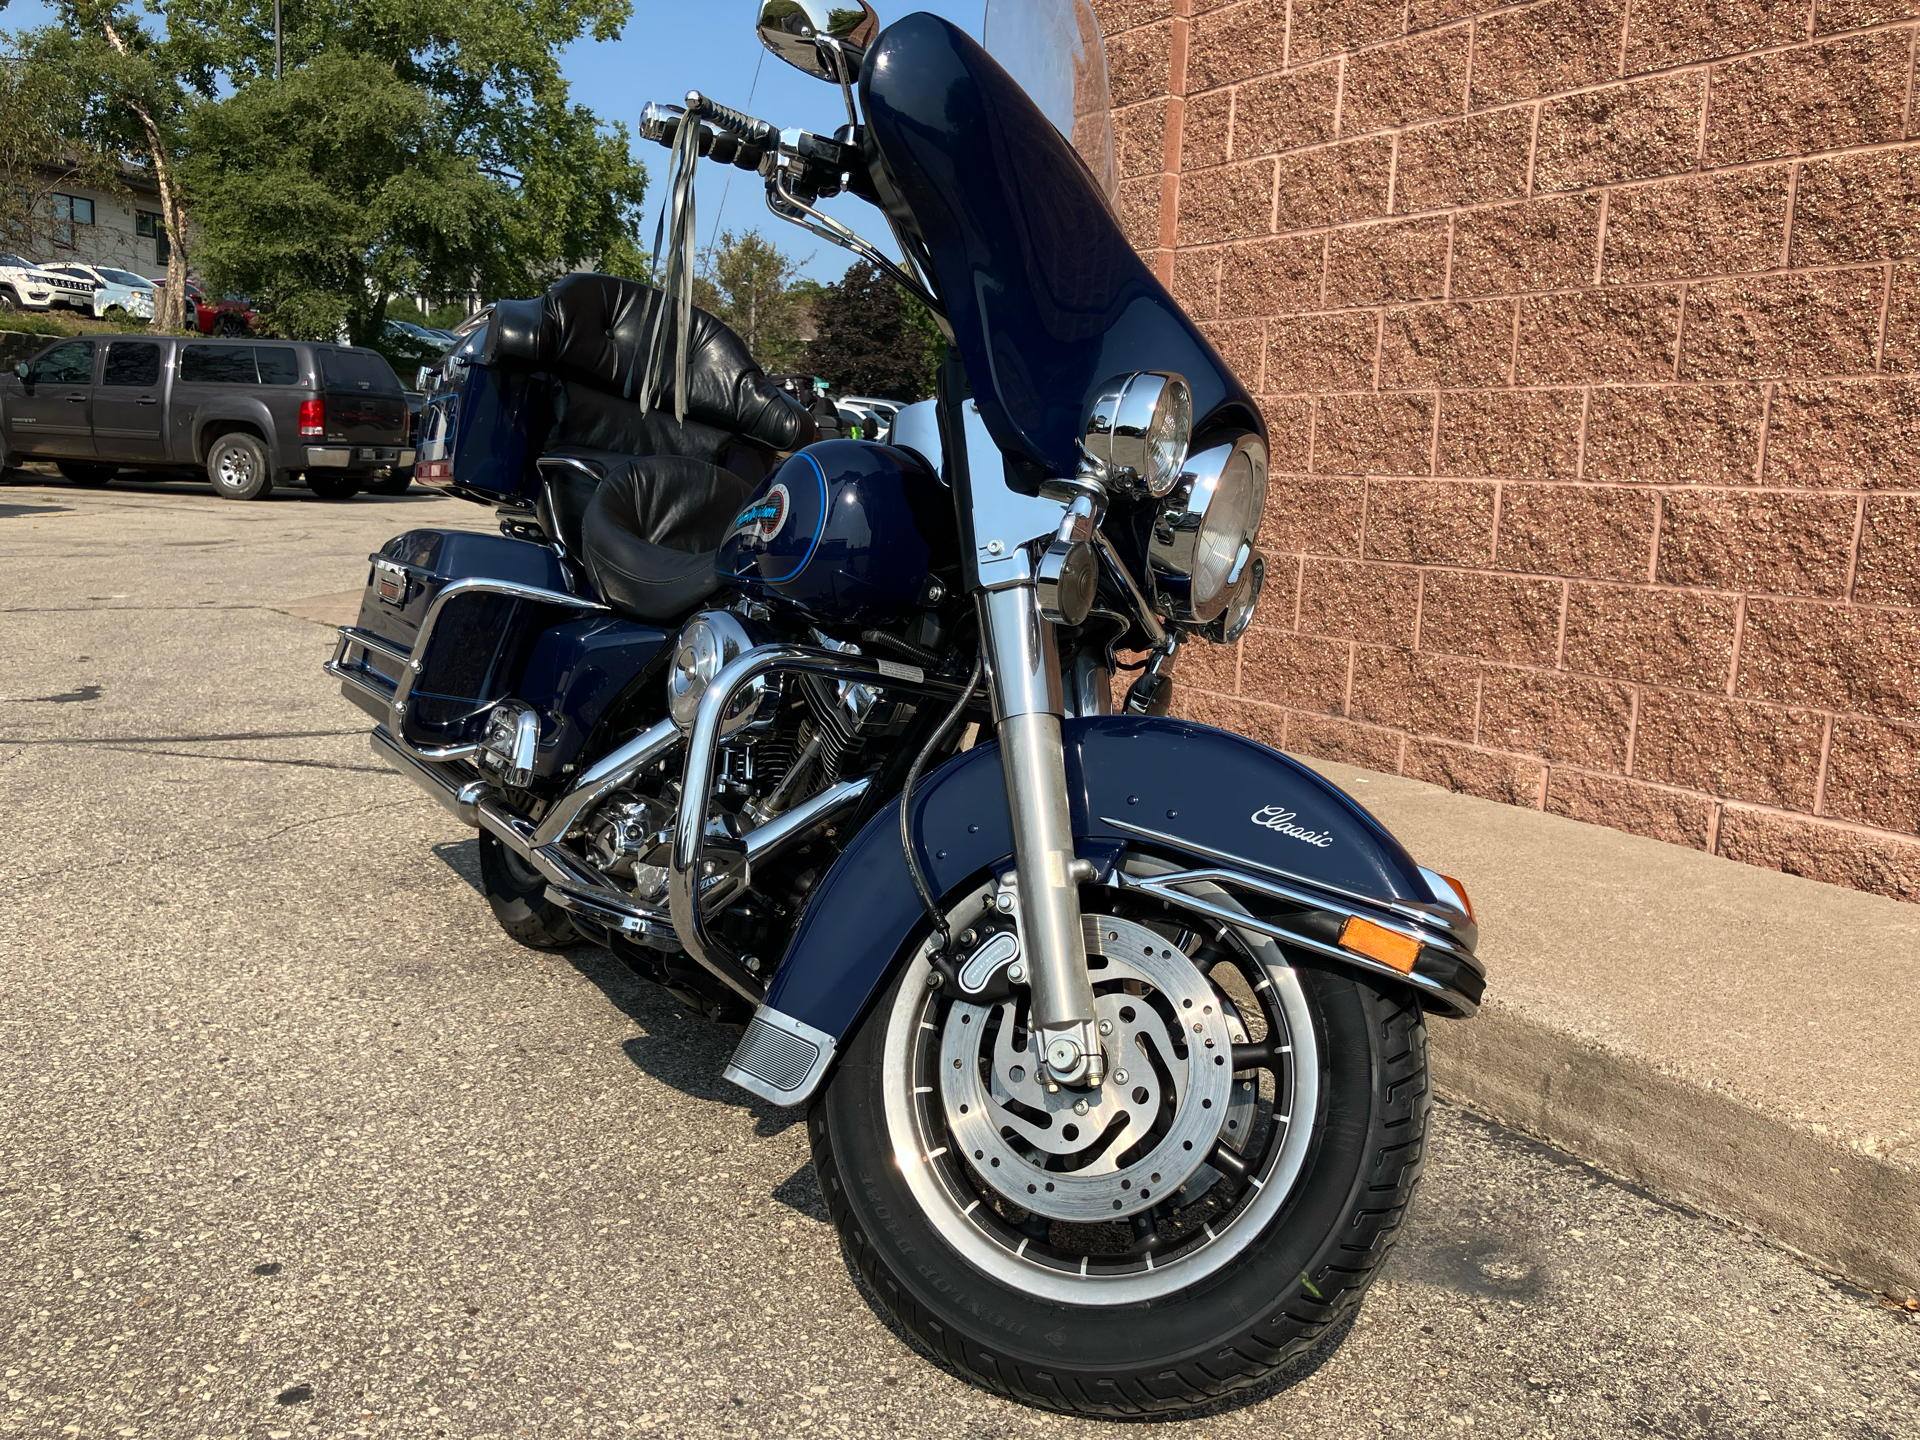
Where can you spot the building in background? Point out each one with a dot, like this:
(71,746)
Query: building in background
(1588,334)
(118,228)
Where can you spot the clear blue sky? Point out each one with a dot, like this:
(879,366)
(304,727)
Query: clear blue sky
(671,47)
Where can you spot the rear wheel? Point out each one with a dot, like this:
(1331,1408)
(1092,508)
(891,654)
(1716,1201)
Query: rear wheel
(238,467)
(518,895)
(91,476)
(1181,1233)
(233,326)
(332,487)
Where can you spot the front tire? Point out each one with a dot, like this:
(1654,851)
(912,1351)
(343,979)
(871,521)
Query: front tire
(238,467)
(518,896)
(1186,1300)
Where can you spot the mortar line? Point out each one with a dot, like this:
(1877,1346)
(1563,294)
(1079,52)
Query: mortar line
(1713,827)
(1286,39)
(1586,407)
(1853,557)
(1653,551)
(1766,425)
(1560,635)
(1913,52)
(1419,604)
(1346,697)
(1453,230)
(1533,150)
(1600,237)
(1479,703)
(1706,109)
(1680,330)
(1493,541)
(1513,350)
(1299,591)
(1739,638)
(1793,200)
(1393,173)
(1379,344)
(1339,113)
(1626,28)
(1820,777)
(1633,728)
(1880,340)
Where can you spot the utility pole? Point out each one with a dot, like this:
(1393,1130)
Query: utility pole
(276,40)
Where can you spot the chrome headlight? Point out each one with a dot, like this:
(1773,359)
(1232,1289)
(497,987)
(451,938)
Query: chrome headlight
(1139,426)
(1202,541)
(702,649)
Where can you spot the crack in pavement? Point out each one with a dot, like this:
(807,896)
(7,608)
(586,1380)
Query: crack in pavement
(13,878)
(188,739)
(261,760)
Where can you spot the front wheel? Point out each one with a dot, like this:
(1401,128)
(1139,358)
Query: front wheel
(1184,1231)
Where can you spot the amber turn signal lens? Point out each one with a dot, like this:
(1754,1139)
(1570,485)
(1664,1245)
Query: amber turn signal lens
(1461,891)
(1376,942)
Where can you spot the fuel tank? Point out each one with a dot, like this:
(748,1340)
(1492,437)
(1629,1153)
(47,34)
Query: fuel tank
(845,530)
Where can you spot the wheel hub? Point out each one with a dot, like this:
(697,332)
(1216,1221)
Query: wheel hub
(1089,1156)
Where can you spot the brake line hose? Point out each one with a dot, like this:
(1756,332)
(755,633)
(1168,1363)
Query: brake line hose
(942,936)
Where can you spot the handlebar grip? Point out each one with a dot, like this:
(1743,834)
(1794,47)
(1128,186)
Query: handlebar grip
(754,132)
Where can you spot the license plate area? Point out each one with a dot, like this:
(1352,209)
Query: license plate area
(391,583)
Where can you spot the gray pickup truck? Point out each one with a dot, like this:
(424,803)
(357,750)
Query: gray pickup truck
(245,413)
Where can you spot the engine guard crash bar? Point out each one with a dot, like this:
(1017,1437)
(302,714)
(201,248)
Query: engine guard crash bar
(573,883)
(398,695)
(689,868)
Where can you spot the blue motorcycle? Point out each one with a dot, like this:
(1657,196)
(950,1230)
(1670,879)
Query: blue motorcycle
(1110,1027)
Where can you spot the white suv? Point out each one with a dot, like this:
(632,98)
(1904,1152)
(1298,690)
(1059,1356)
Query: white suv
(112,289)
(25,286)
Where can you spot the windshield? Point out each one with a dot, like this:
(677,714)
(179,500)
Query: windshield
(1055,50)
(123,277)
(1046,297)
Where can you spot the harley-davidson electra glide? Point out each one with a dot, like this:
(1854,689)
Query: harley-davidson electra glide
(1110,1027)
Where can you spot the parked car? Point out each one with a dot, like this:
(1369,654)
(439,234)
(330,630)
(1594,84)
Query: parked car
(27,286)
(245,414)
(231,315)
(113,290)
(419,334)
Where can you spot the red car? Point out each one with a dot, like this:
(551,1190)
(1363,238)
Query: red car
(229,315)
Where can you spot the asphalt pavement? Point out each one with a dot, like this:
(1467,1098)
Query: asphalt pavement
(294,1142)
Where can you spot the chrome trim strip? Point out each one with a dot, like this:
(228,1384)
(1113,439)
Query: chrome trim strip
(1161,887)
(453,783)
(703,750)
(624,920)
(767,1030)
(1461,933)
(803,819)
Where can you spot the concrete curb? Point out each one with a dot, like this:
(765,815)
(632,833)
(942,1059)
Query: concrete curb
(1845,1212)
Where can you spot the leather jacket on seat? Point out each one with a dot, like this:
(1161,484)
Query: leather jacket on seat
(593,330)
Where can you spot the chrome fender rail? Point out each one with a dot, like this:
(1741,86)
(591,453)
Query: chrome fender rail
(398,697)
(743,974)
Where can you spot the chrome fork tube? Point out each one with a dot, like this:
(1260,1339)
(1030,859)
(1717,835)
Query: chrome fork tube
(1023,662)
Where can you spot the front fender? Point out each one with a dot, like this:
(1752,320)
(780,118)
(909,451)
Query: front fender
(1216,798)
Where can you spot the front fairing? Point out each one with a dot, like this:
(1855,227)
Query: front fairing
(1045,296)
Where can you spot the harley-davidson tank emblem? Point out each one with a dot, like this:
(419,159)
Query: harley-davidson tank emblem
(1277,817)
(766,517)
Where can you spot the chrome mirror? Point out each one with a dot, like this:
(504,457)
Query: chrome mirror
(815,35)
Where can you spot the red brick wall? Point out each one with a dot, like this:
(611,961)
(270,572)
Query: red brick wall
(1588,332)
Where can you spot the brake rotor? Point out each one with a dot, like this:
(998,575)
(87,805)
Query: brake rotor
(1087,1156)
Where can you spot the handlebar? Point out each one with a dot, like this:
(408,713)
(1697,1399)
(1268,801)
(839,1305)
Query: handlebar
(754,132)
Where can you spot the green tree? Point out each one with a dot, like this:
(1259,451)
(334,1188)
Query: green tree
(324,194)
(748,283)
(874,339)
(133,100)
(492,71)
(42,116)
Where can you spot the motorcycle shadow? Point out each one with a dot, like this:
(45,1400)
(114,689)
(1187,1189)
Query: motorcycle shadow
(676,1045)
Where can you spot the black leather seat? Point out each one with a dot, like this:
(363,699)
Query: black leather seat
(647,533)
(652,530)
